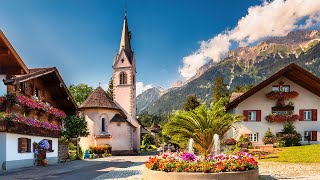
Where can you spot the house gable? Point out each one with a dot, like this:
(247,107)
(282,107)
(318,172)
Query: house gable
(292,72)
(11,63)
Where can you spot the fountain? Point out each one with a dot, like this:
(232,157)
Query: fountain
(190,146)
(216,142)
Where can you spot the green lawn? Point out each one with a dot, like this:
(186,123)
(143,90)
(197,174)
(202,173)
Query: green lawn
(296,154)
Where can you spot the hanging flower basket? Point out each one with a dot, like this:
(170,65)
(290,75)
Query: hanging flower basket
(282,95)
(282,117)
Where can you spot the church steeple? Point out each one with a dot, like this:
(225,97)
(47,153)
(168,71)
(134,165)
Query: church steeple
(126,35)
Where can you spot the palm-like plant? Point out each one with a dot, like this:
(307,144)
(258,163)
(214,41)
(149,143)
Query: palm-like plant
(201,124)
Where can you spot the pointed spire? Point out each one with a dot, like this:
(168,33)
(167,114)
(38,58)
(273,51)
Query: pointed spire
(125,37)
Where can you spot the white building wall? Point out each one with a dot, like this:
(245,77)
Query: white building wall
(259,101)
(12,147)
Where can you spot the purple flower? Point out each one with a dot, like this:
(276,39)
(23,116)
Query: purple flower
(36,151)
(44,144)
(188,157)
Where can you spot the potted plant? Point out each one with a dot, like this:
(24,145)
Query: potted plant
(42,148)
(268,138)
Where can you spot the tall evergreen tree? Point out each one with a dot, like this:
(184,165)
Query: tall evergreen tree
(191,103)
(220,89)
(110,88)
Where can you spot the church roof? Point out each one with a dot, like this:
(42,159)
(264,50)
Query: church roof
(99,99)
(118,118)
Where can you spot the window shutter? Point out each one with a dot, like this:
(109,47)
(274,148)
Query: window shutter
(314,136)
(245,113)
(258,115)
(314,115)
(50,143)
(257,136)
(301,118)
(28,145)
(19,145)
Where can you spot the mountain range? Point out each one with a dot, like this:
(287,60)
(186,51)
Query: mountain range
(244,65)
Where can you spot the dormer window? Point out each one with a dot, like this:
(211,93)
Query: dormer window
(123,78)
(122,60)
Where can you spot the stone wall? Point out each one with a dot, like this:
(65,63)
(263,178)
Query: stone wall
(63,150)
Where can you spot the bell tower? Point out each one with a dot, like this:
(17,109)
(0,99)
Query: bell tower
(124,73)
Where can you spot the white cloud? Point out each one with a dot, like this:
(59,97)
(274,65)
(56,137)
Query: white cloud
(276,18)
(141,87)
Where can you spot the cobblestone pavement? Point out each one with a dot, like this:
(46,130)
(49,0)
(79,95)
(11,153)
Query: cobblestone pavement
(80,170)
(133,172)
(274,170)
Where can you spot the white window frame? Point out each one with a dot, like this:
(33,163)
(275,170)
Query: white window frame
(307,114)
(253,137)
(250,115)
(3,87)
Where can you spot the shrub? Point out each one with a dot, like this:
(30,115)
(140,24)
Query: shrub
(268,138)
(230,141)
(243,141)
(72,147)
(289,136)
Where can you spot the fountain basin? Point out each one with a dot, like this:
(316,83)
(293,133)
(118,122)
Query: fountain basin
(238,175)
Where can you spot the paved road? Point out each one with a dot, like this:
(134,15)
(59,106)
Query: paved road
(80,170)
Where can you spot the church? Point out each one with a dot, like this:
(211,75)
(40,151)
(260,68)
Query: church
(112,120)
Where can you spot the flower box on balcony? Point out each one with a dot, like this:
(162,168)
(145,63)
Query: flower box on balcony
(282,95)
(282,117)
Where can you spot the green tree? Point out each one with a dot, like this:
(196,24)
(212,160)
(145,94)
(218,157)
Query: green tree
(110,88)
(76,127)
(146,120)
(242,88)
(148,139)
(220,89)
(80,92)
(201,124)
(191,103)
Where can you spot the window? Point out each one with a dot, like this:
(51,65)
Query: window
(307,115)
(3,88)
(103,126)
(285,88)
(252,115)
(50,148)
(37,93)
(307,135)
(310,135)
(123,78)
(253,137)
(24,145)
(276,88)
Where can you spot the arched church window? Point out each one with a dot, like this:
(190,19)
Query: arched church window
(103,126)
(123,78)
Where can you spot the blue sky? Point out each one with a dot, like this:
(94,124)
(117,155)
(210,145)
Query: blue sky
(81,37)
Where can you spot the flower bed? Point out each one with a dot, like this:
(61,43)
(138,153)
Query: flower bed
(282,95)
(32,103)
(282,117)
(187,163)
(176,162)
(22,125)
(99,151)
